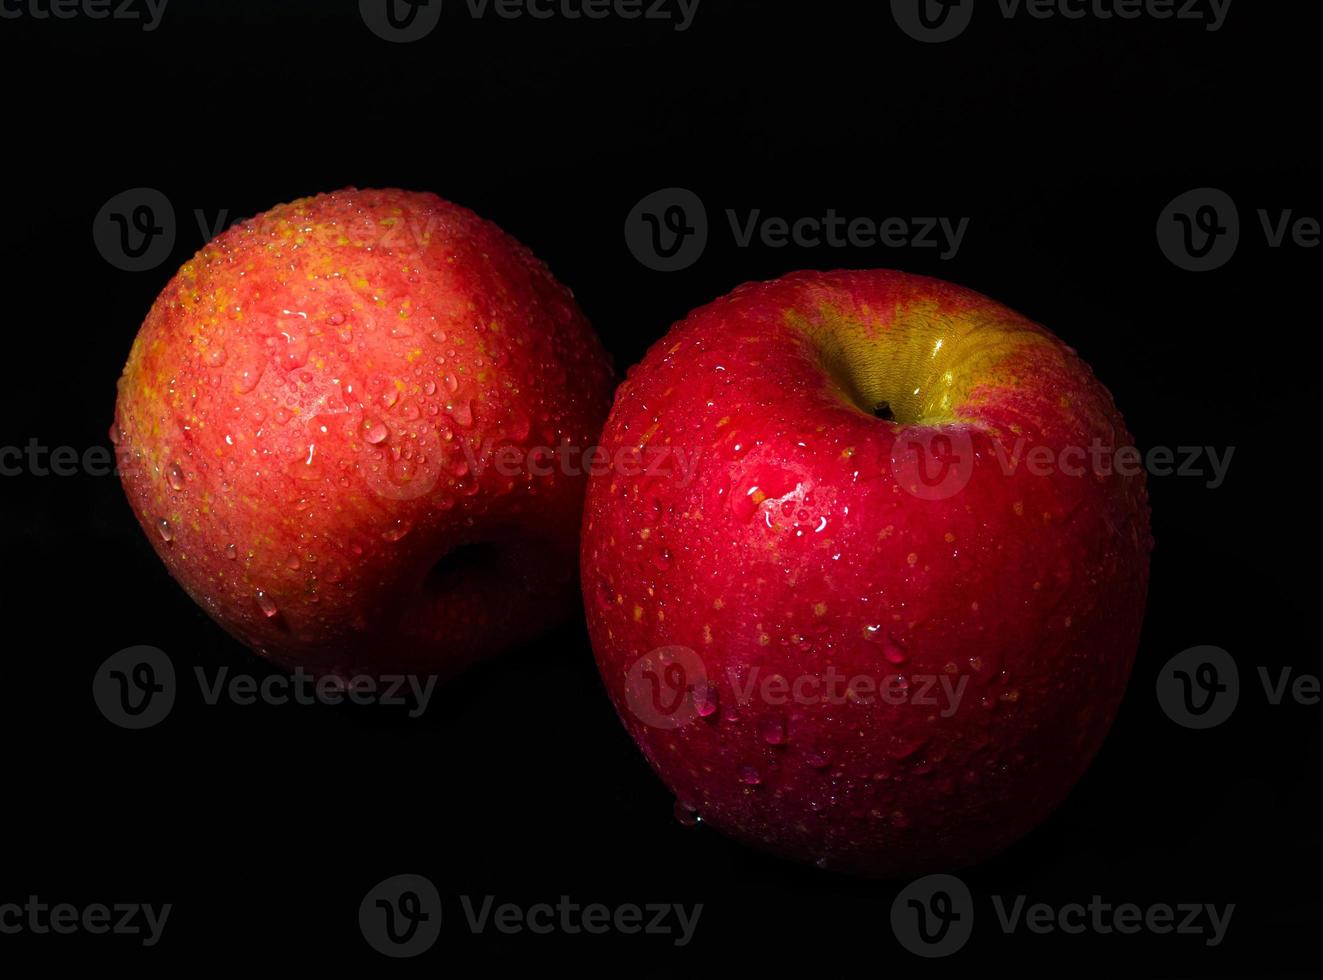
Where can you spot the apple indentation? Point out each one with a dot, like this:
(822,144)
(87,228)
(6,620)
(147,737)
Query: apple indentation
(462,564)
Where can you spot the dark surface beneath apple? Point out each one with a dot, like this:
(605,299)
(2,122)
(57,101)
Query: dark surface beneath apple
(1061,140)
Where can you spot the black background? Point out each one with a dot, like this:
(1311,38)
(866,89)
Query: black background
(1062,141)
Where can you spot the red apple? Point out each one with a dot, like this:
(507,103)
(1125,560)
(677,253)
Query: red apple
(310,422)
(842,614)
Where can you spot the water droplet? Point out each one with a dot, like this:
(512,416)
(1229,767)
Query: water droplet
(397,530)
(250,374)
(452,383)
(163,527)
(292,562)
(772,730)
(749,776)
(266,604)
(295,354)
(686,815)
(231,552)
(461,412)
(175,476)
(705,698)
(818,758)
(374,432)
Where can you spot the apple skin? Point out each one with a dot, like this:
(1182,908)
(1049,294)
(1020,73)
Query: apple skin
(797,547)
(291,425)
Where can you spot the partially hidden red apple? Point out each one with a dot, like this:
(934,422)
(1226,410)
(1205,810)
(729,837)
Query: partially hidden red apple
(333,427)
(858,581)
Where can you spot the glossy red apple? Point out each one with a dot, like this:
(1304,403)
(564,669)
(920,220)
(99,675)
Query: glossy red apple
(326,426)
(845,617)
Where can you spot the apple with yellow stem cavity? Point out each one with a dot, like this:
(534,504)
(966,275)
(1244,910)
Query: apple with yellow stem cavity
(876,605)
(308,422)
